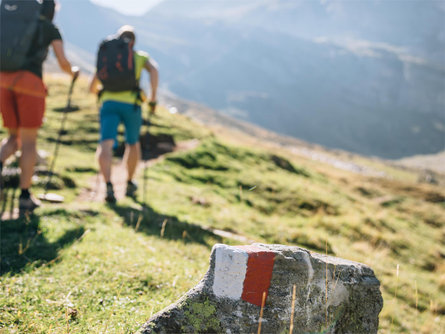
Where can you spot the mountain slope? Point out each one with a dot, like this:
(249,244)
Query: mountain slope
(351,75)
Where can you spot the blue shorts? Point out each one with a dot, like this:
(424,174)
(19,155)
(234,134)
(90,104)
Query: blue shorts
(113,113)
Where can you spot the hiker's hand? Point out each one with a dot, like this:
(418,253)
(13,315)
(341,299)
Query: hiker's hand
(152,106)
(75,71)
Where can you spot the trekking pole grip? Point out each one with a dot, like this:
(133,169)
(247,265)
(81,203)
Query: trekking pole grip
(152,107)
(75,70)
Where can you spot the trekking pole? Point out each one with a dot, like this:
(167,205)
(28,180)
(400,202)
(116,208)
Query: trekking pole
(53,197)
(146,136)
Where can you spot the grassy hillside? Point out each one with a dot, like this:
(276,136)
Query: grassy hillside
(84,267)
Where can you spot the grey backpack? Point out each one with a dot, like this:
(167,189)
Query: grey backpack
(115,65)
(18,25)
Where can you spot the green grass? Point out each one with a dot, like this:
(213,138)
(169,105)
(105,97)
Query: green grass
(83,267)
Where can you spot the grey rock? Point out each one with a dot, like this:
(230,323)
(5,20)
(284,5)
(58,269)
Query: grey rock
(333,295)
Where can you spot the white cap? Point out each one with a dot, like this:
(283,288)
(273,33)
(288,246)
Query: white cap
(125,28)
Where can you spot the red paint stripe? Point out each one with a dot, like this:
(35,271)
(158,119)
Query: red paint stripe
(258,275)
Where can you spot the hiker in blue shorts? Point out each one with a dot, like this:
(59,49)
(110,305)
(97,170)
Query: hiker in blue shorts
(119,69)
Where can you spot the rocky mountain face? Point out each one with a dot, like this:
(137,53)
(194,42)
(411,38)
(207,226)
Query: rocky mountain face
(364,76)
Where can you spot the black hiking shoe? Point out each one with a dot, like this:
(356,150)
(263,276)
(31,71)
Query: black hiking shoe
(27,205)
(132,187)
(109,197)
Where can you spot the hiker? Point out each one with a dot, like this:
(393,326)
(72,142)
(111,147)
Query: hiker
(23,92)
(119,69)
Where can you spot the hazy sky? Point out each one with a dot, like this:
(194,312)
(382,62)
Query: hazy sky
(130,7)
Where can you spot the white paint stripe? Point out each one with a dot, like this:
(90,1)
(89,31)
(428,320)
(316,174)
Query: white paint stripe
(230,271)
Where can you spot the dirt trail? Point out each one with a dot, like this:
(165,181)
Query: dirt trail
(95,192)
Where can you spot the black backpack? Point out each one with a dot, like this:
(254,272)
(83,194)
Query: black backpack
(115,65)
(18,25)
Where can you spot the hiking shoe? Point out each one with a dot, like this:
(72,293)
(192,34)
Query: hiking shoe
(28,204)
(131,189)
(109,197)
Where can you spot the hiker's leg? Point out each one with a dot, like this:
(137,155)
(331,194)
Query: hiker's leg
(8,109)
(9,145)
(29,155)
(132,118)
(28,137)
(105,157)
(109,122)
(131,157)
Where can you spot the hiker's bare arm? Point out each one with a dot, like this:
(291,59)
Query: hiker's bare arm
(152,67)
(94,85)
(64,63)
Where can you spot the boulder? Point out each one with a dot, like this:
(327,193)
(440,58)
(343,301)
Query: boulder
(317,293)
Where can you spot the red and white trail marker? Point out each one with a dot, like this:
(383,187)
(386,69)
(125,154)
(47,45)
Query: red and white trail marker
(243,272)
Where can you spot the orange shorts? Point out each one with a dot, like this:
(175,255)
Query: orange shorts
(22,99)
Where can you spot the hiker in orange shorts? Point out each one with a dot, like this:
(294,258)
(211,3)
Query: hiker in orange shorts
(22,91)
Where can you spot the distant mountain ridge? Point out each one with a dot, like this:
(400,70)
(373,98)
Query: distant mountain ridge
(358,76)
